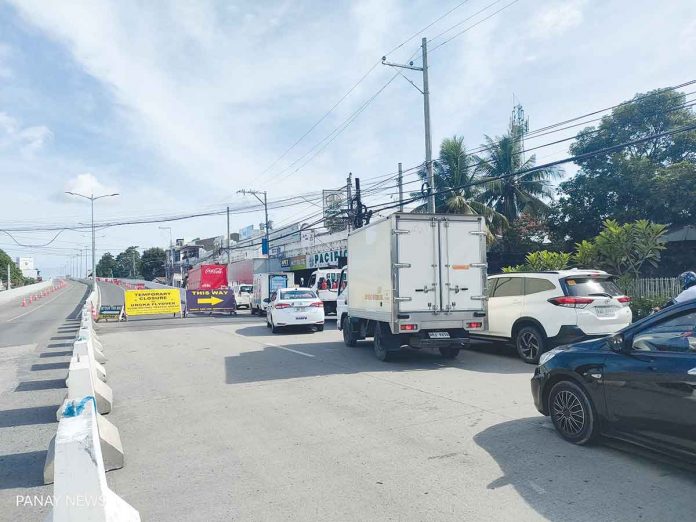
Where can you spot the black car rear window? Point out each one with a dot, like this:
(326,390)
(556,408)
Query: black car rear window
(588,286)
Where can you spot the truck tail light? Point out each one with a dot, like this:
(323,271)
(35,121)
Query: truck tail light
(624,299)
(407,327)
(569,301)
(473,325)
(318,304)
(282,305)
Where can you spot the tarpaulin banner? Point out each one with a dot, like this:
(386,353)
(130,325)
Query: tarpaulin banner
(221,300)
(153,301)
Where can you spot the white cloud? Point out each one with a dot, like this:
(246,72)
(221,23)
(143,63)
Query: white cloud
(27,140)
(87,184)
(557,17)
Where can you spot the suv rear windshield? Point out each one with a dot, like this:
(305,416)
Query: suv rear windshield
(588,286)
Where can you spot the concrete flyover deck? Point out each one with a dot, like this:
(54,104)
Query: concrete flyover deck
(221,420)
(35,348)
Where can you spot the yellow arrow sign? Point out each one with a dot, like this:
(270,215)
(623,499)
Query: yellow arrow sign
(209,300)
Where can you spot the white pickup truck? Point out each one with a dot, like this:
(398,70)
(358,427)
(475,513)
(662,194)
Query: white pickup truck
(416,280)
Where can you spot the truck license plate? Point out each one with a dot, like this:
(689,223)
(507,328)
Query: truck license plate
(438,335)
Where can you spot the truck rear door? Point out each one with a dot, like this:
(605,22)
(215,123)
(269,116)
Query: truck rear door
(463,264)
(418,265)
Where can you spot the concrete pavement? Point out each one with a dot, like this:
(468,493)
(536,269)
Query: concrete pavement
(35,348)
(222,420)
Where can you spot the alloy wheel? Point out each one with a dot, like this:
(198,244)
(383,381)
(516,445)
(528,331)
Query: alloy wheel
(569,412)
(529,345)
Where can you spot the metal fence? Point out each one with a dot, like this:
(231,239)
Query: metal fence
(653,287)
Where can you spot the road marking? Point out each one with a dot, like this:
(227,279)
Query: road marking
(289,349)
(537,488)
(33,309)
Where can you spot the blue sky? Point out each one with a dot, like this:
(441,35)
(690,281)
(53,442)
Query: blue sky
(177,105)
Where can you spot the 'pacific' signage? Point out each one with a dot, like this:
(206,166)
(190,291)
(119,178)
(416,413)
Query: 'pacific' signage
(325,259)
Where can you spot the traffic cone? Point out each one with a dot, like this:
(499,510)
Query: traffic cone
(24,301)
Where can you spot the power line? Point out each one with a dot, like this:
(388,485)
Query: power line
(573,159)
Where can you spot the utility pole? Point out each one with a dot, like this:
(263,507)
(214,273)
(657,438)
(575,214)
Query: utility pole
(426,114)
(228,235)
(9,279)
(358,205)
(256,193)
(400,181)
(92,198)
(349,199)
(169,277)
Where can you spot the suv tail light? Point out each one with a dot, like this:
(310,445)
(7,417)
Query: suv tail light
(624,299)
(282,305)
(318,303)
(569,301)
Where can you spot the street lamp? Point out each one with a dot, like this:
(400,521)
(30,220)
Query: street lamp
(264,202)
(92,198)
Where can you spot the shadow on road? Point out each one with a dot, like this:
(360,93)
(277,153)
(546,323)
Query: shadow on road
(28,416)
(75,314)
(22,470)
(66,353)
(49,384)
(564,482)
(313,357)
(50,366)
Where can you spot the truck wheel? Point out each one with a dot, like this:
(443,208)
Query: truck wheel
(253,310)
(530,344)
(385,343)
(449,352)
(348,334)
(320,328)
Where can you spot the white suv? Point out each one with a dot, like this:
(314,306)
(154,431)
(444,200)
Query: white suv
(539,310)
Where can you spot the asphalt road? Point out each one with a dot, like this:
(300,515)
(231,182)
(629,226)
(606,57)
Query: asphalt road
(221,420)
(35,350)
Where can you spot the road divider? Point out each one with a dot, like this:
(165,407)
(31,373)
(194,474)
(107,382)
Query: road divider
(83,429)
(80,489)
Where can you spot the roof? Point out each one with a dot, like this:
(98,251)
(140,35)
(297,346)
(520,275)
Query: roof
(562,273)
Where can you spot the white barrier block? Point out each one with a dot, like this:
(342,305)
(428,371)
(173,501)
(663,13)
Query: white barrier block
(81,492)
(85,348)
(81,382)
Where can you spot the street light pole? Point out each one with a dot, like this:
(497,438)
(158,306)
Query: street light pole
(170,278)
(256,193)
(92,198)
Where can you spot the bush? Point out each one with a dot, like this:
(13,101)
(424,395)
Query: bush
(643,306)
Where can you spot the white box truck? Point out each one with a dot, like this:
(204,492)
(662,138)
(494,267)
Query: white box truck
(264,285)
(416,280)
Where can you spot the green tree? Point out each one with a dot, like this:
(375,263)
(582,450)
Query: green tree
(152,263)
(16,277)
(651,180)
(517,191)
(455,193)
(541,261)
(128,263)
(106,265)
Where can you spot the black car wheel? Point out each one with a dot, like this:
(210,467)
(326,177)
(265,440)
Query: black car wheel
(572,413)
(530,344)
(385,343)
(348,334)
(320,328)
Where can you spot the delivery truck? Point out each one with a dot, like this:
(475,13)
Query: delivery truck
(207,277)
(264,285)
(414,280)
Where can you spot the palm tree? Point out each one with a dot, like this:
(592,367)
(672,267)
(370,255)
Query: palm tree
(507,192)
(454,192)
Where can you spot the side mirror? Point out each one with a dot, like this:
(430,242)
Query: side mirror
(616,343)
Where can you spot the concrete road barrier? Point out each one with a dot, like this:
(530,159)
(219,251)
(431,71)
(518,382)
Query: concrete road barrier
(80,489)
(83,380)
(85,348)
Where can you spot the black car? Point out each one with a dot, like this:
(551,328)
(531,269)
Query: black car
(638,385)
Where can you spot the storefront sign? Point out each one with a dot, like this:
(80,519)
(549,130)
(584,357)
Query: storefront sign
(293,263)
(326,259)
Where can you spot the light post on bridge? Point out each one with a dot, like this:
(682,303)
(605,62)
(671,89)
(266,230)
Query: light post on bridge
(92,198)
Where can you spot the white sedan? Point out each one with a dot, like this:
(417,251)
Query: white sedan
(295,307)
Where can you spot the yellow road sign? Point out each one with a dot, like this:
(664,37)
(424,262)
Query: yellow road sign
(209,300)
(153,301)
